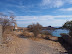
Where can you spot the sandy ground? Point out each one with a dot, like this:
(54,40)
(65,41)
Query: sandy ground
(26,46)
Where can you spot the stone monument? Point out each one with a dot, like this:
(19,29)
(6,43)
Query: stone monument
(15,27)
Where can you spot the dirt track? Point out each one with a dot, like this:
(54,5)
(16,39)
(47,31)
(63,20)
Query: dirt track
(26,46)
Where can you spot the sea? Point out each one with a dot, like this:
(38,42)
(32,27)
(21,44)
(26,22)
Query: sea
(57,32)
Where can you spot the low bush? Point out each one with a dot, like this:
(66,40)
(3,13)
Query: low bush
(43,36)
(45,33)
(63,34)
(35,28)
(70,33)
(28,34)
(36,38)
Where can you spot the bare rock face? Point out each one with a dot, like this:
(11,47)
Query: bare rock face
(0,34)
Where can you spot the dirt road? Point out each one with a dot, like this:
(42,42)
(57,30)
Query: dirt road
(26,46)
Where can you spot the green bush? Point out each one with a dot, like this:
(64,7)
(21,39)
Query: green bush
(68,25)
(70,33)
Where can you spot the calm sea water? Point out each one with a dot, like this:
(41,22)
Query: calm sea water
(59,31)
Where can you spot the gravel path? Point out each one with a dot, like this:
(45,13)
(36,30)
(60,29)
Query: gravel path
(38,48)
(26,46)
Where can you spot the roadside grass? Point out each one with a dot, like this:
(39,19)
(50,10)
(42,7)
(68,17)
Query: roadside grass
(35,38)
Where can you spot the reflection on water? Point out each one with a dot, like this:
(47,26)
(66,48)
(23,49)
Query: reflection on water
(59,31)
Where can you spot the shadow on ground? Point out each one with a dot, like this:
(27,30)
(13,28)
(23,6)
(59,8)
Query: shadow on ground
(66,45)
(51,40)
(21,36)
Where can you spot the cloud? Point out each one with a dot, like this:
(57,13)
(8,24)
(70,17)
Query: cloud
(65,9)
(44,20)
(49,17)
(25,18)
(54,3)
(68,1)
(58,3)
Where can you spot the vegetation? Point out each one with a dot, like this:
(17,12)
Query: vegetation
(68,25)
(63,34)
(6,21)
(28,34)
(45,33)
(35,28)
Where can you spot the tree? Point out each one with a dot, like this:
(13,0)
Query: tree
(68,25)
(6,21)
(35,28)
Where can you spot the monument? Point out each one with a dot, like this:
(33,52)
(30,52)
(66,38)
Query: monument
(15,27)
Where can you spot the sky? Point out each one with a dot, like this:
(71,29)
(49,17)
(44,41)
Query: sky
(46,12)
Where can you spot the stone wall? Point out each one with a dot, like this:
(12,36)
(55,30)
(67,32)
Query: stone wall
(0,34)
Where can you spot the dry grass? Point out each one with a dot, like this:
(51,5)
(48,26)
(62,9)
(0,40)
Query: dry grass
(28,34)
(35,38)
(7,37)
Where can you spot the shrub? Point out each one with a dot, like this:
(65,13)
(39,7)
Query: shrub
(45,33)
(70,33)
(43,36)
(68,25)
(28,34)
(63,34)
(6,21)
(35,28)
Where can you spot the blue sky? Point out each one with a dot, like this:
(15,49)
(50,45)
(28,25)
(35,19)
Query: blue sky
(46,12)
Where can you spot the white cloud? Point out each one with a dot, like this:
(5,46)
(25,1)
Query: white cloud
(65,9)
(58,3)
(44,20)
(54,3)
(68,1)
(25,18)
(50,17)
